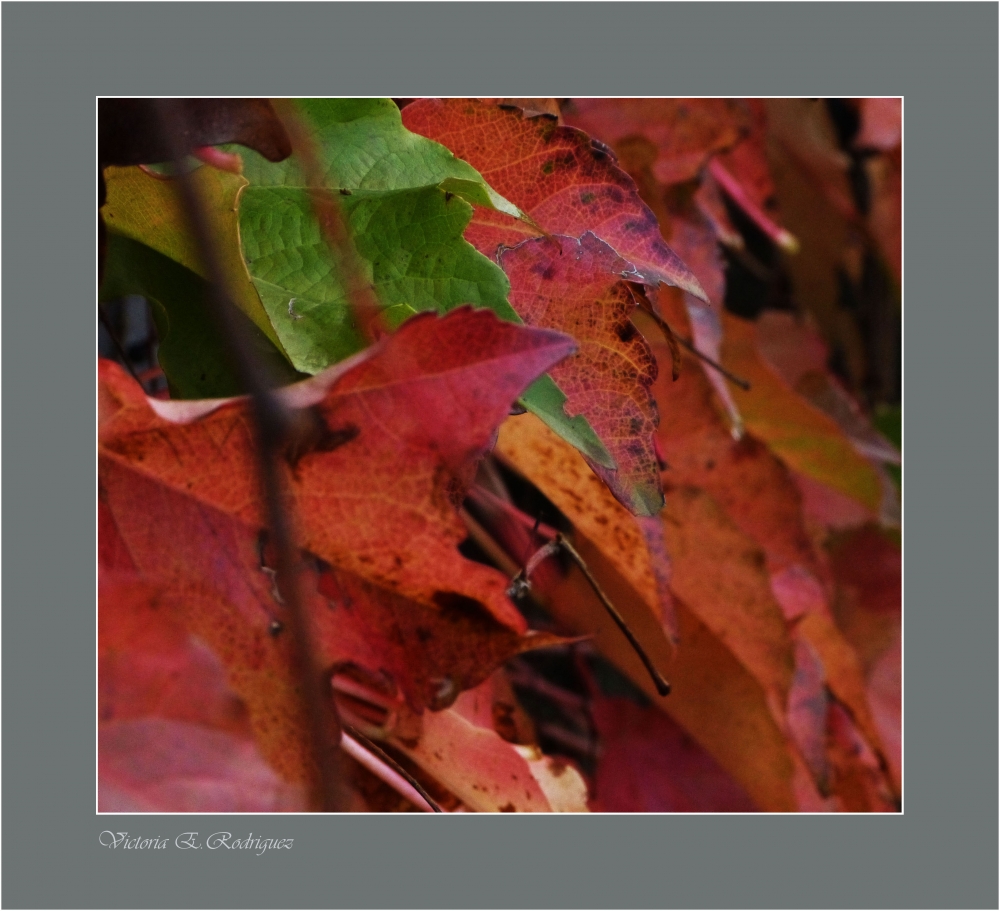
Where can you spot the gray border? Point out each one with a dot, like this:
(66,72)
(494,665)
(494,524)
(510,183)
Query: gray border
(942,57)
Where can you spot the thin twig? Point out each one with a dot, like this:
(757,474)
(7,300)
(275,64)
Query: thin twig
(395,766)
(361,299)
(689,345)
(732,377)
(520,583)
(271,422)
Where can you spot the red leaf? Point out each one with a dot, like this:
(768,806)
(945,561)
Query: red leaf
(397,428)
(565,182)
(881,124)
(744,477)
(173,736)
(745,174)
(649,764)
(685,131)
(573,286)
(180,482)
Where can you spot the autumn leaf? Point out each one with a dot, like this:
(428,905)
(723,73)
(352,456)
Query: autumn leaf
(744,175)
(566,183)
(488,773)
(633,546)
(423,404)
(690,226)
(796,352)
(576,286)
(714,696)
(172,736)
(804,437)
(685,131)
(649,764)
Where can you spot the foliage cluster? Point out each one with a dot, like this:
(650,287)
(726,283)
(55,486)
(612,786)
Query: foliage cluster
(576,394)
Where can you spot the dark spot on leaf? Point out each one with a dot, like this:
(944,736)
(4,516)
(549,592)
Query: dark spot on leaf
(503,721)
(508,808)
(344,191)
(456,603)
(448,196)
(710,464)
(424,634)
(626,331)
(275,628)
(311,434)
(548,168)
(586,198)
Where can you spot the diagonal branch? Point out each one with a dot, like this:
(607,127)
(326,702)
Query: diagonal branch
(520,583)
(272,424)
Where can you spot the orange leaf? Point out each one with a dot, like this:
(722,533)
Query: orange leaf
(489,774)
(574,286)
(633,547)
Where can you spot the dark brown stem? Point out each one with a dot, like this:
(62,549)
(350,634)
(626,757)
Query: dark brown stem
(395,766)
(732,377)
(272,423)
(674,339)
(521,582)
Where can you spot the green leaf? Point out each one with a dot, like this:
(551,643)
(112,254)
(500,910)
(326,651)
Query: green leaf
(410,250)
(546,400)
(406,202)
(192,354)
(362,144)
(889,421)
